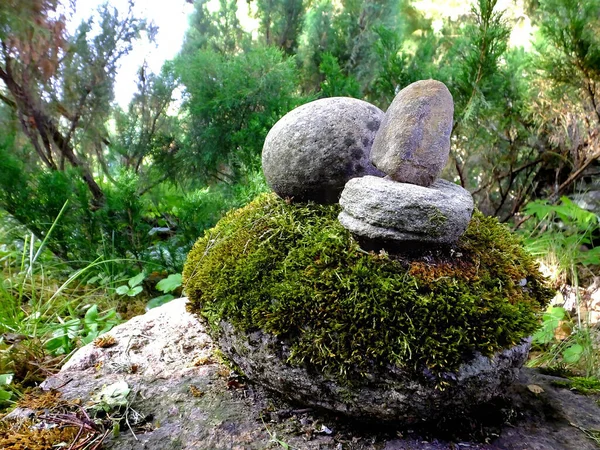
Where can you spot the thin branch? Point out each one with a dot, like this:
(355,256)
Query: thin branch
(575,175)
(156,183)
(11,103)
(507,174)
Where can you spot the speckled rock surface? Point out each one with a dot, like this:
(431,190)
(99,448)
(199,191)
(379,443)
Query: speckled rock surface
(382,211)
(232,415)
(161,355)
(413,143)
(158,343)
(313,150)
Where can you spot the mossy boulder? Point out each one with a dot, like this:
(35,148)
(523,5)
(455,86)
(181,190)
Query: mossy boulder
(293,300)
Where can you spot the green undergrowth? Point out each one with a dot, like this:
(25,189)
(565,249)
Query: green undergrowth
(293,271)
(583,385)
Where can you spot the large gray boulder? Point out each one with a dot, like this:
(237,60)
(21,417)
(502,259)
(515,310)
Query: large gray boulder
(413,143)
(315,149)
(389,394)
(382,211)
(174,353)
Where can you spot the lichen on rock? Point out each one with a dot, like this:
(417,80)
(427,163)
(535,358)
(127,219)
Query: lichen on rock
(293,272)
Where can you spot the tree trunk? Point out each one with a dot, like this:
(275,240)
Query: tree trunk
(49,133)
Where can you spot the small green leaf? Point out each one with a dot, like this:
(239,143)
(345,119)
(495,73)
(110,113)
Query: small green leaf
(58,345)
(557,312)
(4,395)
(159,301)
(135,291)
(122,290)
(6,379)
(89,337)
(573,353)
(134,281)
(91,314)
(544,335)
(170,283)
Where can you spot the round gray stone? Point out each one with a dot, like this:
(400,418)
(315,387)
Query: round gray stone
(389,394)
(315,149)
(383,211)
(413,143)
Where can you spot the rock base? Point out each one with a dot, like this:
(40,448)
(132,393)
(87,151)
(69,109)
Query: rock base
(237,416)
(390,395)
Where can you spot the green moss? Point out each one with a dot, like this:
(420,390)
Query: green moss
(583,385)
(437,220)
(293,271)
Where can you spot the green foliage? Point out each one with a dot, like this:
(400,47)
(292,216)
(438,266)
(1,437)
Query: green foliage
(36,197)
(550,322)
(562,235)
(482,44)
(347,31)
(280,22)
(133,286)
(232,102)
(583,385)
(317,34)
(293,271)
(217,31)
(576,353)
(122,216)
(69,333)
(570,51)
(490,97)
(5,392)
(44,313)
(146,138)
(169,284)
(335,83)
(201,209)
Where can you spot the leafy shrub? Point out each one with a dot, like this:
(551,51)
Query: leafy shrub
(293,271)
(232,102)
(566,345)
(561,235)
(336,83)
(201,209)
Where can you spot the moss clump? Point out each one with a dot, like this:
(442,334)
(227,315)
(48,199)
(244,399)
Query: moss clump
(55,424)
(583,385)
(25,436)
(293,271)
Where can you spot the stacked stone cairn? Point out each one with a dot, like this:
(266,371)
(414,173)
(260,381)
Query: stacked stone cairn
(411,207)
(385,166)
(384,171)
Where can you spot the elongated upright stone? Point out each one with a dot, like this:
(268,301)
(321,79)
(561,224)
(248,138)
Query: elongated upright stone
(413,142)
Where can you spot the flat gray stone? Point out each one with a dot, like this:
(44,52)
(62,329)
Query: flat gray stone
(413,143)
(383,211)
(312,151)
